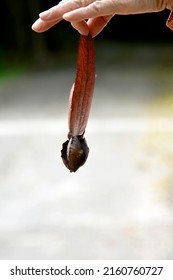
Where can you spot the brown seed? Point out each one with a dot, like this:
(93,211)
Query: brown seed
(75,151)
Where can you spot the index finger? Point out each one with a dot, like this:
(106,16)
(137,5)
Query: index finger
(64,7)
(40,25)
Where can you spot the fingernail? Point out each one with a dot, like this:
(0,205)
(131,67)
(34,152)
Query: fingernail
(66,16)
(38,24)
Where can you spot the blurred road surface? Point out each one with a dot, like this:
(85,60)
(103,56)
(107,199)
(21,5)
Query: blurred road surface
(119,205)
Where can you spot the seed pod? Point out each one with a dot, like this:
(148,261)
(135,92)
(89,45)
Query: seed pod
(82,90)
(74,153)
(75,150)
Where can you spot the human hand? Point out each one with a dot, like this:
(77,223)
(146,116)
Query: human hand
(96,12)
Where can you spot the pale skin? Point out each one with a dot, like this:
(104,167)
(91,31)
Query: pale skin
(93,15)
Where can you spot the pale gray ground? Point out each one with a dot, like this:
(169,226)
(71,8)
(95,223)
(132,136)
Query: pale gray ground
(119,205)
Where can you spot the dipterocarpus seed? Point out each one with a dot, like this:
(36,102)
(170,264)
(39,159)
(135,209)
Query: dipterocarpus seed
(75,150)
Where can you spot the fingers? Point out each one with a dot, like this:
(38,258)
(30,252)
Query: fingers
(40,26)
(93,26)
(102,8)
(97,24)
(54,15)
(99,12)
(77,11)
(63,7)
(80,10)
(169,22)
(95,9)
(81,27)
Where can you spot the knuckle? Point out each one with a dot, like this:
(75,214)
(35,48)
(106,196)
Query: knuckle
(97,6)
(79,3)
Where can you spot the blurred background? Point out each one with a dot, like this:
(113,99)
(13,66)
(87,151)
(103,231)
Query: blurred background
(119,205)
